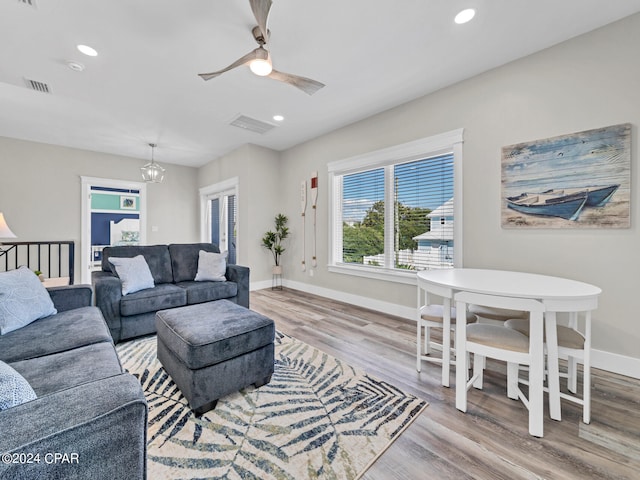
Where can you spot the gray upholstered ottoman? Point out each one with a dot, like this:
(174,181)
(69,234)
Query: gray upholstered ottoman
(213,349)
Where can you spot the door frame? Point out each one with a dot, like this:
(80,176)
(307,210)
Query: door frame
(226,187)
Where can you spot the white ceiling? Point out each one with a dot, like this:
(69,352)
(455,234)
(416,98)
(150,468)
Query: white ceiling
(143,86)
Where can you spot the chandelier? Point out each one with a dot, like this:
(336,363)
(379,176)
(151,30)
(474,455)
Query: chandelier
(152,172)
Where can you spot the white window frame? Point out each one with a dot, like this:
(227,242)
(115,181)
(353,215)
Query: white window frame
(220,189)
(386,158)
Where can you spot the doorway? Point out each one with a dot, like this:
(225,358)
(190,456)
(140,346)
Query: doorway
(113,213)
(219,224)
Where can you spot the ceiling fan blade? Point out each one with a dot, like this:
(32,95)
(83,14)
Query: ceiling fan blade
(307,85)
(261,12)
(241,61)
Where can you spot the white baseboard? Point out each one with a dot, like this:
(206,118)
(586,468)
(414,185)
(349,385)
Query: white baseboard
(259,285)
(366,302)
(610,362)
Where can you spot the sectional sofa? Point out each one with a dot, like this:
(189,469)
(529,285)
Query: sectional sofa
(89,418)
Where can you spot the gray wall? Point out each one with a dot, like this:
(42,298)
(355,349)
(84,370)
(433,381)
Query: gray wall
(588,82)
(258,171)
(40,192)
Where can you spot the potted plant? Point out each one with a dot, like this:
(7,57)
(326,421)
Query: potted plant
(39,274)
(272,241)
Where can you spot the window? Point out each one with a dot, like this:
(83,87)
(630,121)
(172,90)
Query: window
(393,210)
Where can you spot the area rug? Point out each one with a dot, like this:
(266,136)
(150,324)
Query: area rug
(318,418)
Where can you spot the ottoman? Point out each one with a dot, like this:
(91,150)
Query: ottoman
(213,349)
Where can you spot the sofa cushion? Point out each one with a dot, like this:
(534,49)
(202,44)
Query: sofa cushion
(158,298)
(64,331)
(23,299)
(211,267)
(14,389)
(59,371)
(199,292)
(184,259)
(134,273)
(157,257)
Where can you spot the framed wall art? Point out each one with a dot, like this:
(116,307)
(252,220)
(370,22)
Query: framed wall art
(127,202)
(580,180)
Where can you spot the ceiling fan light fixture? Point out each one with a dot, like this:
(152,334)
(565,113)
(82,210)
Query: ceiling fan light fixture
(152,172)
(261,67)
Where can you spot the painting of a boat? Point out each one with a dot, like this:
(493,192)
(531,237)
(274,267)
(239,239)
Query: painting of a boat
(597,196)
(549,204)
(579,180)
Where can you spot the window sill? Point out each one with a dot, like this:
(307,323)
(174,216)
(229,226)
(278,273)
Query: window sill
(397,276)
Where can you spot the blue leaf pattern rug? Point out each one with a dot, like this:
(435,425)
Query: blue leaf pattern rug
(318,418)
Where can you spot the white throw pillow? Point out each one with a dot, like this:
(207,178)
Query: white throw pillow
(211,267)
(134,273)
(23,299)
(14,389)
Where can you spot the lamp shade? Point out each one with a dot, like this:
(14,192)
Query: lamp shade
(5,231)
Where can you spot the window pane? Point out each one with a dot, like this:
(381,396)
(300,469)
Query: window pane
(423,215)
(231,228)
(363,218)
(215,221)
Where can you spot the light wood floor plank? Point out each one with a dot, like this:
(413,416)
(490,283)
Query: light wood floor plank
(491,440)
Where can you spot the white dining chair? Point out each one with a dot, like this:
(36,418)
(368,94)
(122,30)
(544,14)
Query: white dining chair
(508,345)
(432,316)
(574,347)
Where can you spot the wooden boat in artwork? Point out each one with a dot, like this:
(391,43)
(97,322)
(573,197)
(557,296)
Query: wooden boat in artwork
(565,203)
(549,205)
(597,196)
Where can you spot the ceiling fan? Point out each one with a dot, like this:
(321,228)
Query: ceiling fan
(259,59)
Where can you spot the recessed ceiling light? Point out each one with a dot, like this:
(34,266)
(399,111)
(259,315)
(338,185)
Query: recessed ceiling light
(465,16)
(278,118)
(87,50)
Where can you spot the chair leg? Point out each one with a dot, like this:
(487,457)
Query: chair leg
(478,370)
(586,395)
(427,340)
(419,347)
(462,361)
(586,366)
(513,373)
(572,374)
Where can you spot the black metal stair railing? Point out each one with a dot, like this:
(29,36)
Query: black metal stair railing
(55,259)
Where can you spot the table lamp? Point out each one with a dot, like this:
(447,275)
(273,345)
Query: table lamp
(5,232)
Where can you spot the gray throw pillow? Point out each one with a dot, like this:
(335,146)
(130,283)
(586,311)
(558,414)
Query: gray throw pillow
(211,267)
(23,299)
(14,389)
(134,273)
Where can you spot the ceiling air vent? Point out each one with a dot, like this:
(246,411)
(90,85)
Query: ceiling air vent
(30,3)
(251,124)
(37,86)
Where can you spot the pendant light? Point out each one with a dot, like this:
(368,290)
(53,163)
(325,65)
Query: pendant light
(152,172)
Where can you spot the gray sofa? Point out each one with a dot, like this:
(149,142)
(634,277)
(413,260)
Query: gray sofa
(173,268)
(87,407)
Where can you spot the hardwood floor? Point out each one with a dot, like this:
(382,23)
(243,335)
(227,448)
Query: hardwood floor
(491,440)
